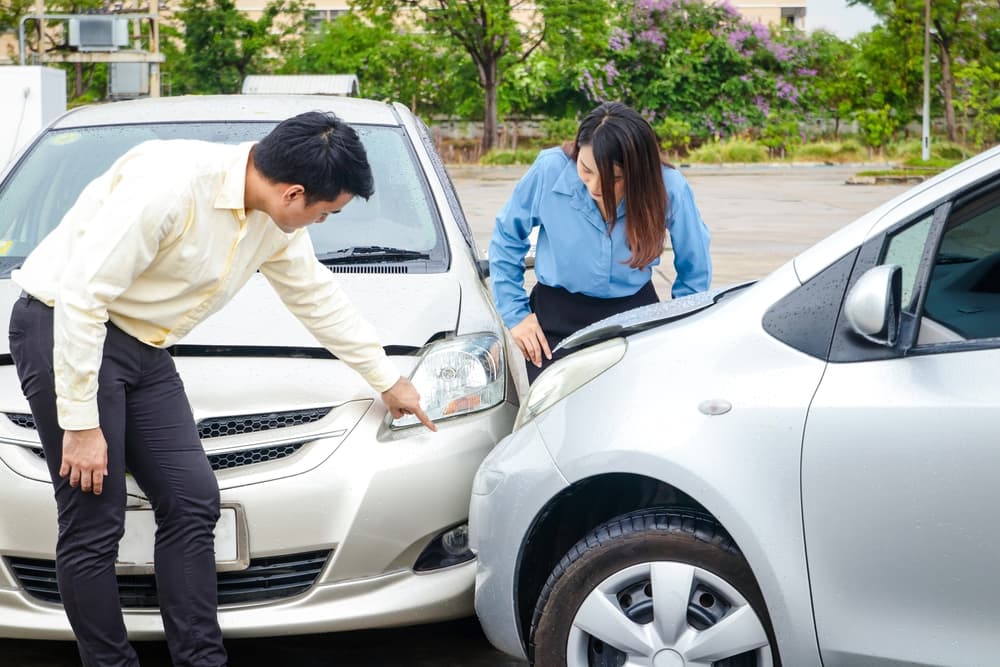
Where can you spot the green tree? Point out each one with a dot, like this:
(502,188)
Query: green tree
(978,101)
(389,64)
(836,88)
(956,33)
(218,45)
(495,34)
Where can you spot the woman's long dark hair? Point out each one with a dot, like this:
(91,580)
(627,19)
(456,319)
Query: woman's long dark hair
(620,136)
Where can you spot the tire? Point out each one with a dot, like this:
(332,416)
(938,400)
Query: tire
(598,609)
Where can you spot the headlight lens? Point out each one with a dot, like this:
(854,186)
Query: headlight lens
(459,376)
(563,378)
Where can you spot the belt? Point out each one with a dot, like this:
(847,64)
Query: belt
(25,295)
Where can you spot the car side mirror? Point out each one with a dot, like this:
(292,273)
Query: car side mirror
(873,305)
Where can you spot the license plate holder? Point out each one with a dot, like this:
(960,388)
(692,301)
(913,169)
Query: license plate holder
(135,550)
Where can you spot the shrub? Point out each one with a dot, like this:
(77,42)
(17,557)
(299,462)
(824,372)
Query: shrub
(736,150)
(507,157)
(558,130)
(829,151)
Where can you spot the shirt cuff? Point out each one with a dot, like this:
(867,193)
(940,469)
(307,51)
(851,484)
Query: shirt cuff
(77,415)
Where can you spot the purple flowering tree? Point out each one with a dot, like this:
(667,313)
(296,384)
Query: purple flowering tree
(701,64)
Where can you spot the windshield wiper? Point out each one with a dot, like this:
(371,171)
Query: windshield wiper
(370,253)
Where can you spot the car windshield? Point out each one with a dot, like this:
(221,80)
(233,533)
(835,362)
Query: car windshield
(399,217)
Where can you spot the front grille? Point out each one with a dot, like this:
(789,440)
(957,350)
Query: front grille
(247,457)
(266,579)
(216,427)
(243,457)
(22,420)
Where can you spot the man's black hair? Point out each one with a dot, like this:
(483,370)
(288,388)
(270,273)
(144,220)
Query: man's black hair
(318,151)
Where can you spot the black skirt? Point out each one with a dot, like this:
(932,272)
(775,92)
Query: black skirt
(561,312)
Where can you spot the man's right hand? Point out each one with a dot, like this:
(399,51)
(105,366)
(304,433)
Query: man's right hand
(85,459)
(531,339)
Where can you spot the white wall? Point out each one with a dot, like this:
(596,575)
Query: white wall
(30,97)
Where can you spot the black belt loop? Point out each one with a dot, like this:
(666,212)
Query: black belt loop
(28,297)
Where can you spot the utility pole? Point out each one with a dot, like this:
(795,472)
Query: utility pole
(154,48)
(925,143)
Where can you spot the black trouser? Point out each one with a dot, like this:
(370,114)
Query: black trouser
(150,431)
(561,312)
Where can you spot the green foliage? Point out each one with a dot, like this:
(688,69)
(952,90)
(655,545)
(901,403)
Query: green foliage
(558,130)
(824,151)
(674,134)
(377,53)
(781,134)
(219,45)
(940,150)
(506,157)
(978,101)
(500,44)
(962,30)
(11,12)
(736,150)
(701,62)
(877,125)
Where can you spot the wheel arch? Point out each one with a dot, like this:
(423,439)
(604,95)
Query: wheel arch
(574,512)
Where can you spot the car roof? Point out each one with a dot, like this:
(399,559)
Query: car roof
(235,108)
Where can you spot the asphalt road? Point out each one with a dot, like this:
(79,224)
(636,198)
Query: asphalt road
(759,218)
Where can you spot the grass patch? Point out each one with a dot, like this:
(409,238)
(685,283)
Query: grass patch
(830,151)
(730,151)
(500,157)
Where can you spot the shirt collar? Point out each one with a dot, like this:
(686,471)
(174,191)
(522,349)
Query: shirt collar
(233,192)
(568,182)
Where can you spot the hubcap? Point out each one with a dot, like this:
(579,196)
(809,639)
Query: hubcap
(667,614)
(668,658)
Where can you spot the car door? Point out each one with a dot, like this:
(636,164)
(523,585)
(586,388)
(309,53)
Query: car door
(901,456)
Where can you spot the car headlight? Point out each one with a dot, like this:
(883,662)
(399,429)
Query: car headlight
(563,378)
(458,376)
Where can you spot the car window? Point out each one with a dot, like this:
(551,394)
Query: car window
(47,181)
(906,248)
(964,289)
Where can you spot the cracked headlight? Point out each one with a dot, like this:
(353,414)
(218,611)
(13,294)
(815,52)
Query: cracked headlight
(458,376)
(566,376)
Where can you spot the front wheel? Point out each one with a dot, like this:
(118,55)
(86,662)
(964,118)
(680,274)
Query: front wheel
(658,588)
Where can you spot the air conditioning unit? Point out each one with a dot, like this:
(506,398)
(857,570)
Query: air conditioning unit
(98,33)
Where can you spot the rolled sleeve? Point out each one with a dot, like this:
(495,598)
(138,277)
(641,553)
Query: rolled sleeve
(311,293)
(689,238)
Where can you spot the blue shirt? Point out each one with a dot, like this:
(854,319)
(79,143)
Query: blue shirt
(574,249)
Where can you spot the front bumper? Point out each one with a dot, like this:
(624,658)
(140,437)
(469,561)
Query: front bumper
(373,499)
(512,486)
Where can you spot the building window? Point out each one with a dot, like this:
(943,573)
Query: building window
(317,17)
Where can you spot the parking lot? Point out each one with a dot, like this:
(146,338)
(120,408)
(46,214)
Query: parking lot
(760,217)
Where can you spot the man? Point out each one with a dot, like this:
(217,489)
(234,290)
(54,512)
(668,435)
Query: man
(152,247)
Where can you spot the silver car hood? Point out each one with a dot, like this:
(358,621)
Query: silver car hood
(406,310)
(645,317)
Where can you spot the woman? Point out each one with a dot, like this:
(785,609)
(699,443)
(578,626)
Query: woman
(603,209)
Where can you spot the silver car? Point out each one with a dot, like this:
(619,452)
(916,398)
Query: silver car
(801,471)
(334,516)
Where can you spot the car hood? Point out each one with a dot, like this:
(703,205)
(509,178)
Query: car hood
(646,317)
(406,310)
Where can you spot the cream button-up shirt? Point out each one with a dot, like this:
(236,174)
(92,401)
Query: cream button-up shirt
(160,242)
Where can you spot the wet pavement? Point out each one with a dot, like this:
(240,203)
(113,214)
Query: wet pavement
(760,217)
